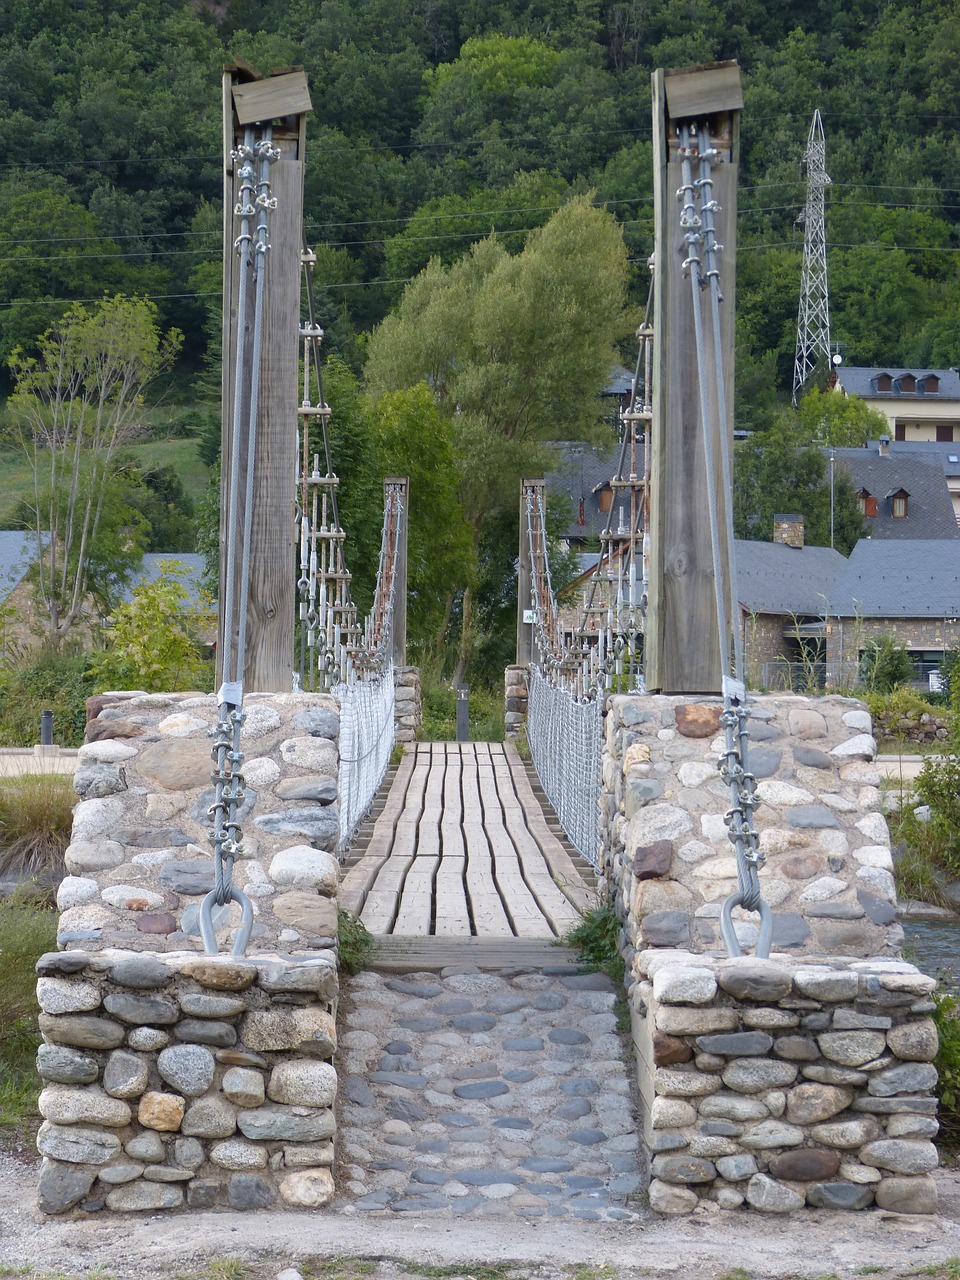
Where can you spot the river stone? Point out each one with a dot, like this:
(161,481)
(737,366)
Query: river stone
(669,1050)
(319,823)
(669,1113)
(124,1171)
(684,984)
(733,1106)
(206,1031)
(820,983)
(188,1153)
(153,837)
(900,1155)
(839,1195)
(770,1196)
(656,822)
(666,929)
(176,765)
(683,1169)
(76,1144)
(811,817)
(737,1167)
(308,1029)
(736,1045)
(319,722)
(147,1146)
(107,752)
(908,1077)
(679,1021)
(914,1041)
(145,972)
(814,1103)
(308,1188)
(752,1075)
(852,1048)
(162,1111)
(63,1105)
(137,1196)
(906,1126)
(191,877)
(74,891)
(80,1032)
(846,1134)
(747,978)
(57,995)
(309,913)
(201,1005)
(317,975)
(92,855)
(63,1066)
(211,1117)
(247,1193)
(187,1068)
(683,1084)
(304,867)
(161,922)
(313,755)
(907,1195)
(279,1124)
(322,789)
(796,1048)
(303,1082)
(863,746)
(653,860)
(808,1164)
(237,1154)
(93,781)
(695,720)
(243,1086)
(878,910)
(665,1197)
(771,1133)
(62,1186)
(142,1010)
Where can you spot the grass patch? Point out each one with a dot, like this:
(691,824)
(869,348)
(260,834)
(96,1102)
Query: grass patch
(921,867)
(595,940)
(357,943)
(338,1268)
(439,714)
(36,813)
(27,930)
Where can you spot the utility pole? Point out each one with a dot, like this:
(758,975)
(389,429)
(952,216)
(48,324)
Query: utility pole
(813,320)
(280,101)
(682,642)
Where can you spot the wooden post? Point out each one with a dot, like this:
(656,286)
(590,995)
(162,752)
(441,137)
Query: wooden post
(282,99)
(525,579)
(400,579)
(682,648)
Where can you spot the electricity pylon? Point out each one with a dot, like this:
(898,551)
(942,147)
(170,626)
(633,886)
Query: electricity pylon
(813,320)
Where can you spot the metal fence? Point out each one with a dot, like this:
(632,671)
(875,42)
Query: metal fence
(366,741)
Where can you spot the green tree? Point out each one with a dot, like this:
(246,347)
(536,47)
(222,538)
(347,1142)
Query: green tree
(829,418)
(76,402)
(153,641)
(515,349)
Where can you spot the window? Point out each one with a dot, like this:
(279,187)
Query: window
(945,434)
(907,382)
(884,382)
(900,431)
(900,505)
(868,503)
(930,384)
(605,498)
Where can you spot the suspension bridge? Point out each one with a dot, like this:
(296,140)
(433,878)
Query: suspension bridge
(461,846)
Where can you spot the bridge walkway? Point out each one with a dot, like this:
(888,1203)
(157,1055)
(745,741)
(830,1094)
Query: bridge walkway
(459,850)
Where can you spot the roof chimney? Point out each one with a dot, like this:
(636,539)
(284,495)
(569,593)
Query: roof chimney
(788,531)
(884,446)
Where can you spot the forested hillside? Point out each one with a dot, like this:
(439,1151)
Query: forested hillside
(437,120)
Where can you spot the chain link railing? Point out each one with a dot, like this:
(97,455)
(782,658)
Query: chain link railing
(366,743)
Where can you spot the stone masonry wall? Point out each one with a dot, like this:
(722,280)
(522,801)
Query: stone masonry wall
(668,863)
(786,1082)
(155,1055)
(516,700)
(186,1081)
(407,708)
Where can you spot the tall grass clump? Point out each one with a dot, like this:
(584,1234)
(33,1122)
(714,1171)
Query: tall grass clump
(36,813)
(27,930)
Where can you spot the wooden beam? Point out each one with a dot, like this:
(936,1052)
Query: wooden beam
(257,101)
(682,647)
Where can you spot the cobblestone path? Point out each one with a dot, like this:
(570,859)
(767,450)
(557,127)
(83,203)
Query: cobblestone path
(469,1093)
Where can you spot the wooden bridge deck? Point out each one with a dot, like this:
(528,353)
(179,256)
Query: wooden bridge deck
(462,849)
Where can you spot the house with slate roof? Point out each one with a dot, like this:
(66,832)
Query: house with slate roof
(918,404)
(902,494)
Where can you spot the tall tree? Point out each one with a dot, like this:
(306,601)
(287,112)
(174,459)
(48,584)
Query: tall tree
(515,350)
(76,402)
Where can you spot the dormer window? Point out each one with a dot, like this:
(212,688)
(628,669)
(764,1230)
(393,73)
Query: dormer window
(907,383)
(930,384)
(898,503)
(868,503)
(884,382)
(604,494)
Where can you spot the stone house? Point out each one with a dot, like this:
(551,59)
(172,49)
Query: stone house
(903,493)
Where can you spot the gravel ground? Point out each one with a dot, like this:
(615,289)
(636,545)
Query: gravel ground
(343,1245)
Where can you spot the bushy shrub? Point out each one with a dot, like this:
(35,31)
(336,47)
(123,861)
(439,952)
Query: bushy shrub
(36,814)
(27,930)
(45,680)
(947,1018)
(439,712)
(884,665)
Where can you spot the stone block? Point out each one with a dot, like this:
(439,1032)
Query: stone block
(308,1188)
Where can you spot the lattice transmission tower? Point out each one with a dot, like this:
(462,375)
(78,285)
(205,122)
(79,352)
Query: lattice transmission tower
(813,320)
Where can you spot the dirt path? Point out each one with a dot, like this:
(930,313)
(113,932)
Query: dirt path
(346,1245)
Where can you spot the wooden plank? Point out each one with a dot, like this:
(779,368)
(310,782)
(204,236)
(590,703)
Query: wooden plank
(700,91)
(522,908)
(398,954)
(489,916)
(414,913)
(272,99)
(361,877)
(452,912)
(561,866)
